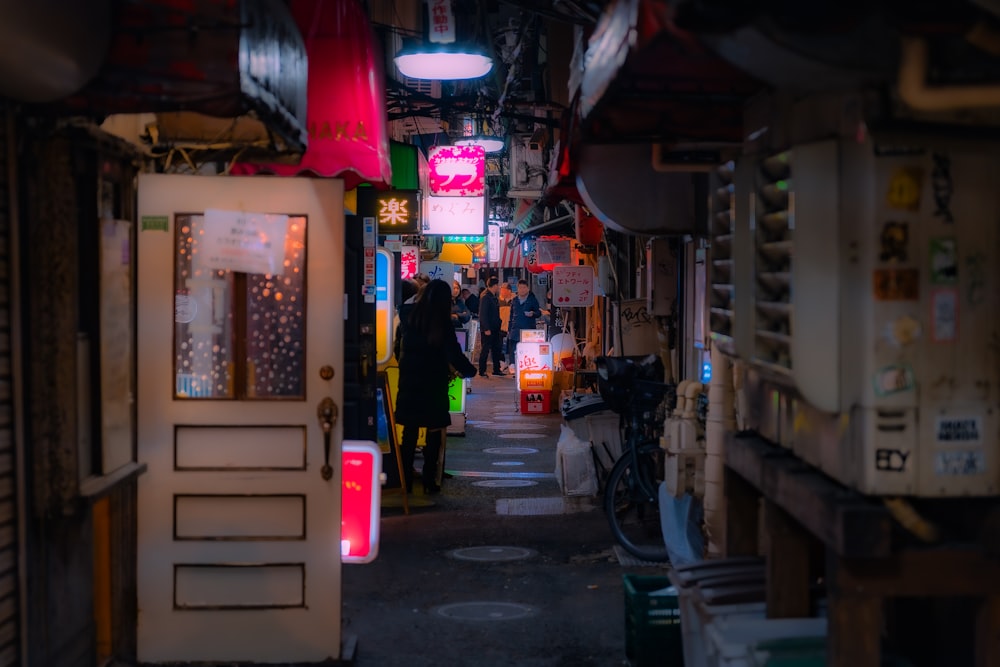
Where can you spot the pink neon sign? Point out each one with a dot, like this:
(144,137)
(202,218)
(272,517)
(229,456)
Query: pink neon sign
(457,171)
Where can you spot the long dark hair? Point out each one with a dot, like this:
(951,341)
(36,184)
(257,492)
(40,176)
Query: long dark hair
(432,314)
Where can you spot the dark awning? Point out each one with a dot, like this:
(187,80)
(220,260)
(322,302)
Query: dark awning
(228,59)
(646,79)
(51,49)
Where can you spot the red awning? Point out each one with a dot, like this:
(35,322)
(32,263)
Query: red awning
(510,257)
(345,114)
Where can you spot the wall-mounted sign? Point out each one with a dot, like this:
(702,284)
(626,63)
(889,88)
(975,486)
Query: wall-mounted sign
(409,261)
(572,286)
(439,271)
(554,252)
(453,238)
(395,211)
(457,171)
(456,215)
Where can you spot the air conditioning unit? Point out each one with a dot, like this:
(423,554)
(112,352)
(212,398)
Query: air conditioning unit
(527,164)
(871,316)
(661,276)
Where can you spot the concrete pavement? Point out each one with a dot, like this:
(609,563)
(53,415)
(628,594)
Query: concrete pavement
(499,569)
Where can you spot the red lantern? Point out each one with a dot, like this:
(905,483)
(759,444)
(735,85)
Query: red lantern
(589,229)
(531,263)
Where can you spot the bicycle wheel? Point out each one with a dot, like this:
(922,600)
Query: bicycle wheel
(634,515)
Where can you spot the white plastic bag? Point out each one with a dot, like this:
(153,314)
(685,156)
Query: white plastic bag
(575,469)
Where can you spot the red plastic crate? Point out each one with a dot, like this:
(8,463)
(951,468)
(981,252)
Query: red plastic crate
(536,402)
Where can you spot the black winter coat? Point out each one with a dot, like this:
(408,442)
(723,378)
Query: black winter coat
(489,313)
(424,375)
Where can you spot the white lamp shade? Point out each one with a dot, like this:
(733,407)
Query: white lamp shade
(443,65)
(489,144)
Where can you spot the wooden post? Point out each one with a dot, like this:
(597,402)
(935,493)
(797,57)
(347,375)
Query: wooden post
(742,502)
(988,633)
(854,619)
(788,566)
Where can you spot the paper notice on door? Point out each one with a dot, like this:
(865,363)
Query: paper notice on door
(242,241)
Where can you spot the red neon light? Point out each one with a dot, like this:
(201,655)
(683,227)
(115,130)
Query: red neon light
(360,501)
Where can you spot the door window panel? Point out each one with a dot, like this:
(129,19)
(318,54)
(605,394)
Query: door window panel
(221,316)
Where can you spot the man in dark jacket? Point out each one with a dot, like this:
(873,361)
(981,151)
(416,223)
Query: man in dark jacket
(524,312)
(489,327)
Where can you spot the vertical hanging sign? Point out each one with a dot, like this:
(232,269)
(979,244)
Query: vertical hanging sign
(442,21)
(409,261)
(493,249)
(384,305)
(368,289)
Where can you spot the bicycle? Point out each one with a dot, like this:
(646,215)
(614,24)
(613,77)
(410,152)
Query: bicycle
(630,387)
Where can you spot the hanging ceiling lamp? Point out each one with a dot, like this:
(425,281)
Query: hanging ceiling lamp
(489,143)
(445,57)
(477,132)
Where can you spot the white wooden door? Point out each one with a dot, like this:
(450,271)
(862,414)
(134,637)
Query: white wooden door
(239,530)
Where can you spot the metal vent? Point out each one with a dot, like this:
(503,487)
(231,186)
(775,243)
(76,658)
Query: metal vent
(773,222)
(722,222)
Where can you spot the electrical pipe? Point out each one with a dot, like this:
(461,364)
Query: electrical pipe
(915,92)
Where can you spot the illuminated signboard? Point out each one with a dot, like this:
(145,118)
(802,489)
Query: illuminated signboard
(384,305)
(457,171)
(395,211)
(361,500)
(409,261)
(452,238)
(456,215)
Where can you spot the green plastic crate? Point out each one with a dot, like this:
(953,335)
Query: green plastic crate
(652,622)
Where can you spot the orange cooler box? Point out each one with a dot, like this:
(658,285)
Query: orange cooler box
(536,402)
(536,381)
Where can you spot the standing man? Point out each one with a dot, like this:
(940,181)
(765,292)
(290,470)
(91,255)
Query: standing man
(489,327)
(524,312)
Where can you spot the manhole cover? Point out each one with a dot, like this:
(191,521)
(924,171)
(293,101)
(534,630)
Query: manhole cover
(477,422)
(504,483)
(508,463)
(492,553)
(485,611)
(510,451)
(521,436)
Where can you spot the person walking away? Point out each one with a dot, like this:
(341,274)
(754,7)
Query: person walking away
(429,350)
(460,314)
(471,302)
(409,291)
(524,312)
(489,328)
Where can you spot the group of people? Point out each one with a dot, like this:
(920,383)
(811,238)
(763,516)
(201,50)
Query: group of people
(524,313)
(430,355)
